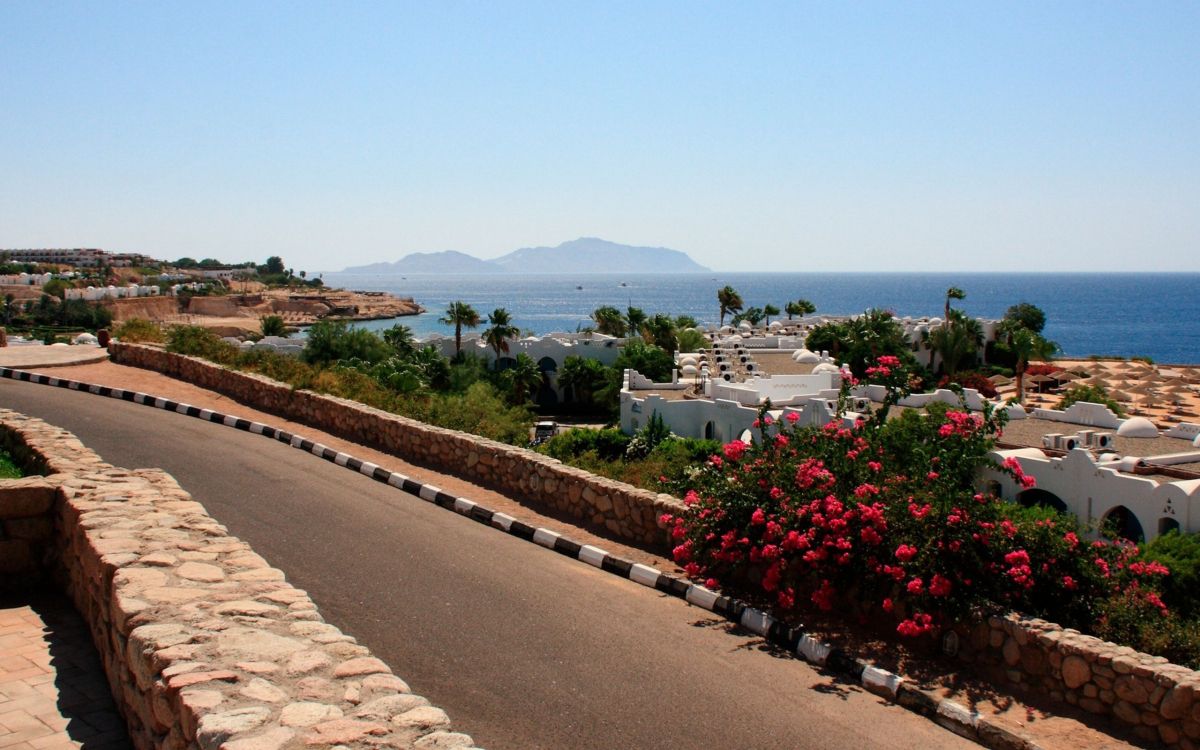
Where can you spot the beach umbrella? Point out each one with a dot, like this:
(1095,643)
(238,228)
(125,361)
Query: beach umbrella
(1120,396)
(1065,376)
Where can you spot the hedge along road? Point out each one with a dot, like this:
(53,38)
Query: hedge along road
(523,647)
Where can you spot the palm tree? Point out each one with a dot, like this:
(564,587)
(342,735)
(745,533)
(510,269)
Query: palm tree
(957,340)
(768,311)
(953,293)
(525,378)
(500,329)
(1024,344)
(660,331)
(400,338)
(800,307)
(635,318)
(610,321)
(582,377)
(459,314)
(729,301)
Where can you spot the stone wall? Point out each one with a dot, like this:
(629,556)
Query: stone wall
(1159,700)
(625,511)
(26,531)
(204,644)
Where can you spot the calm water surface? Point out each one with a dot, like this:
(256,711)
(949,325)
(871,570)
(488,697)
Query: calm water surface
(1155,315)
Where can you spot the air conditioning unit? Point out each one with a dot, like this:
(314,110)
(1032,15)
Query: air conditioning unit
(1085,437)
(728,376)
(831,405)
(750,367)
(1067,442)
(1102,440)
(1051,440)
(862,405)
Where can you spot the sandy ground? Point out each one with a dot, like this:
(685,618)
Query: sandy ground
(1166,395)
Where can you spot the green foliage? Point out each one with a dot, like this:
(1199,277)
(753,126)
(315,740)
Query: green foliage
(581,380)
(648,438)
(649,360)
(800,307)
(56,288)
(481,410)
(499,331)
(753,316)
(197,341)
(137,330)
(1147,360)
(610,321)
(685,321)
(768,311)
(401,339)
(659,330)
(692,341)
(860,341)
(330,341)
(8,468)
(1180,553)
(728,301)
(635,318)
(958,341)
(608,445)
(272,325)
(1092,394)
(274,265)
(1027,316)
(460,315)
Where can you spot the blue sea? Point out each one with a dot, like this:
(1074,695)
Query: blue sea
(1134,314)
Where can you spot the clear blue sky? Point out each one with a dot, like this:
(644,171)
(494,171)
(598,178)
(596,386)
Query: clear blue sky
(890,136)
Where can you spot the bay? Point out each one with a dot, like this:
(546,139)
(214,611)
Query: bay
(1133,314)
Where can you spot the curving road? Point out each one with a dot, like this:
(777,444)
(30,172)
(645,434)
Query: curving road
(522,647)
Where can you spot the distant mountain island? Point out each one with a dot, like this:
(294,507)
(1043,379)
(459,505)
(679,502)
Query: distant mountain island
(584,255)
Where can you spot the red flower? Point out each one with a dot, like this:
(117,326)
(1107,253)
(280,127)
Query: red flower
(905,552)
(735,449)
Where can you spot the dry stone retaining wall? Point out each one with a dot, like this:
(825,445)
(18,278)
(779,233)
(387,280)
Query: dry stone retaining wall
(626,511)
(1160,700)
(204,644)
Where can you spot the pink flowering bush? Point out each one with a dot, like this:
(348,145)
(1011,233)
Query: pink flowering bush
(885,515)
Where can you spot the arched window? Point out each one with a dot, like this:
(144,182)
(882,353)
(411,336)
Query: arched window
(1044,498)
(1124,523)
(1167,524)
(547,364)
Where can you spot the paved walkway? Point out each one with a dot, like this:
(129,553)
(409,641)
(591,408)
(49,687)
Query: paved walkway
(30,356)
(53,693)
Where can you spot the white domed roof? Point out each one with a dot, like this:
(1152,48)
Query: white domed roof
(775,325)
(744,326)
(1196,441)
(689,370)
(1138,427)
(826,367)
(689,359)
(726,329)
(85,338)
(804,356)
(745,334)
(935,321)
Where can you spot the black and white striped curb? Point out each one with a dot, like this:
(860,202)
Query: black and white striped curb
(955,716)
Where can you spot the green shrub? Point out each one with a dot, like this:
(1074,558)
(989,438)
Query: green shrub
(330,341)
(1180,553)
(197,341)
(272,325)
(608,445)
(137,330)
(1092,394)
(8,468)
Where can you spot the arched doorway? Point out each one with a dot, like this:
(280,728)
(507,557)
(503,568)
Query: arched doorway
(1044,498)
(1121,521)
(709,431)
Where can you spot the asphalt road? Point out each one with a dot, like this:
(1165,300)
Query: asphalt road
(522,647)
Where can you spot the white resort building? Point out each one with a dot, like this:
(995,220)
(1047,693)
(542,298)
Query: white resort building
(1086,460)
